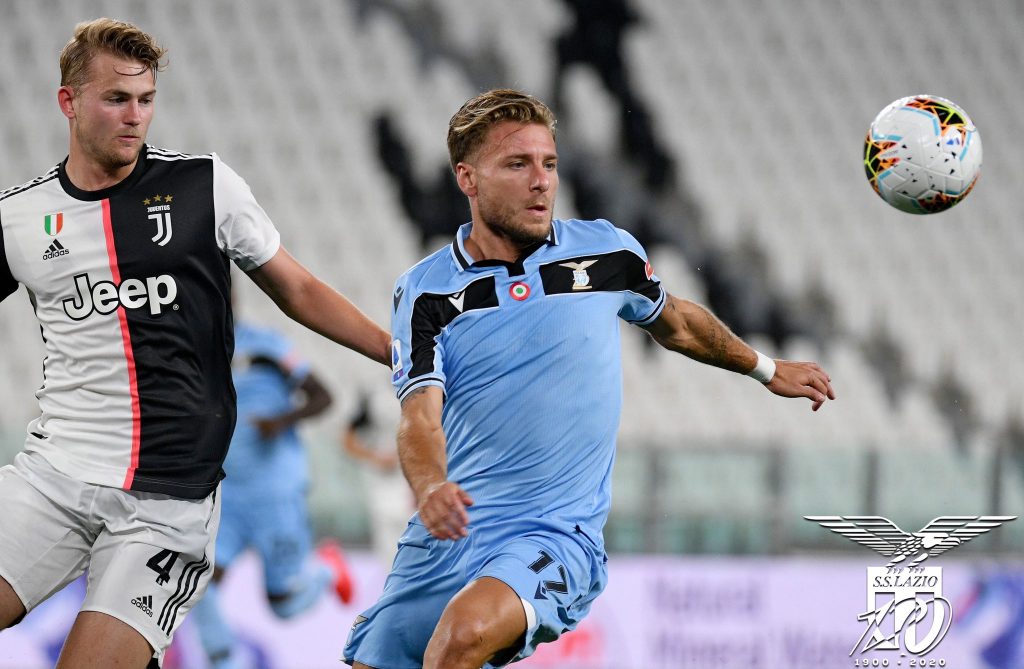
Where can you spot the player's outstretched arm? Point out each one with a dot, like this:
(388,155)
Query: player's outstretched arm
(690,329)
(319,307)
(421,450)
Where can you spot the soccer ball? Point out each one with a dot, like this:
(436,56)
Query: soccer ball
(922,154)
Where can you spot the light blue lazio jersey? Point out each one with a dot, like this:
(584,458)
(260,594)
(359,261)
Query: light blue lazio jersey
(266,370)
(529,359)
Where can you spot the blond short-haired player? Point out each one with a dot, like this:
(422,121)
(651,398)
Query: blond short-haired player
(125,250)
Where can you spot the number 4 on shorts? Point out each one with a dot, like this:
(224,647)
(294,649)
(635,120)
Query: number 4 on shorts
(162,563)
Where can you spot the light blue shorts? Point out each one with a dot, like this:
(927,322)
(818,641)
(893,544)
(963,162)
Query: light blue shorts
(554,566)
(276,526)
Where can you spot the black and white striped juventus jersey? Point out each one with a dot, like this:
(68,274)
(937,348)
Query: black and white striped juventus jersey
(131,287)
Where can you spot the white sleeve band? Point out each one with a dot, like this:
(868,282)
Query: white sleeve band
(764,370)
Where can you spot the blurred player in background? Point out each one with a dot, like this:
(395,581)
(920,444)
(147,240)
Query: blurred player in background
(370,438)
(264,496)
(506,360)
(125,250)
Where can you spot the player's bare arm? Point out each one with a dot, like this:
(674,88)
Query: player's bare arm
(319,307)
(690,329)
(315,398)
(421,450)
(355,447)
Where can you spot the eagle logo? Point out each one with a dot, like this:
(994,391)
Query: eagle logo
(580,278)
(937,537)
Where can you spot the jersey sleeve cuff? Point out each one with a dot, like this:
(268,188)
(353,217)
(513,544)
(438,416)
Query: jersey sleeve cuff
(263,258)
(655,312)
(419,382)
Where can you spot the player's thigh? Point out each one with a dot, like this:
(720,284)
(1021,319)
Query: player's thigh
(11,608)
(153,562)
(486,616)
(556,577)
(99,641)
(284,540)
(44,544)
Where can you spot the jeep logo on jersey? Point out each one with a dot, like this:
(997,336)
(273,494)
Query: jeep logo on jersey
(104,296)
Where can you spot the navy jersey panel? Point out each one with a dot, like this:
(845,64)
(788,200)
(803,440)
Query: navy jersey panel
(8,284)
(183,353)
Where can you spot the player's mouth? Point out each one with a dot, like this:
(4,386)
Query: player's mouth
(538,209)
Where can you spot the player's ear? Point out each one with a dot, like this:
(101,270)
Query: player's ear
(65,100)
(465,175)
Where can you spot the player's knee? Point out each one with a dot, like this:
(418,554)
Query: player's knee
(462,641)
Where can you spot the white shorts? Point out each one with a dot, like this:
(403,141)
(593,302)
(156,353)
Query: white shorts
(149,556)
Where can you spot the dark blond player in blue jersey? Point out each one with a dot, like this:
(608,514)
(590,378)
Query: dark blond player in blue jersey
(125,251)
(506,360)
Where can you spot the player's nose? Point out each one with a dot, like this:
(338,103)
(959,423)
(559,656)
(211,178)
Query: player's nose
(133,113)
(540,180)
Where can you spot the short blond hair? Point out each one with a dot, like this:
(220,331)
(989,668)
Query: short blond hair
(110,36)
(468,127)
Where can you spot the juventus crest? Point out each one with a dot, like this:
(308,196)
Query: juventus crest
(159,209)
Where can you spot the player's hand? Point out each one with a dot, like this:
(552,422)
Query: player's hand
(269,427)
(802,379)
(443,511)
(386,462)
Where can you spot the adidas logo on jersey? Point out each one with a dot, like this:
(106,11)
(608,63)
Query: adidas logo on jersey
(55,249)
(145,604)
(104,297)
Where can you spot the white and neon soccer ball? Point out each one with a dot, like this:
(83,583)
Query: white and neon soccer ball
(922,154)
